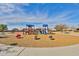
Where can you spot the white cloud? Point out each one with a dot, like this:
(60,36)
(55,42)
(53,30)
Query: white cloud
(10,12)
(6,8)
(10,8)
(40,18)
(21,16)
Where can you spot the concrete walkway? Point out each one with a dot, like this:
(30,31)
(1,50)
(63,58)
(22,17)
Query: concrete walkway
(24,51)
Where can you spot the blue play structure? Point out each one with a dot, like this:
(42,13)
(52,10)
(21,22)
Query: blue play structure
(45,29)
(31,30)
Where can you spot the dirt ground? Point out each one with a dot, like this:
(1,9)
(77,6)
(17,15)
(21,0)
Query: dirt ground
(60,39)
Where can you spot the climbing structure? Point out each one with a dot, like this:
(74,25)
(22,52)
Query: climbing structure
(30,29)
(45,29)
(38,31)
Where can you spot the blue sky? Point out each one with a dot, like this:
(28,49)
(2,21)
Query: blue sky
(19,14)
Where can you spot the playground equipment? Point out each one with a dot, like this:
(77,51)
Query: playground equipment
(18,36)
(51,37)
(30,29)
(45,29)
(36,37)
(38,31)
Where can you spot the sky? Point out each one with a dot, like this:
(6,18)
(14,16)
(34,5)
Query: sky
(17,15)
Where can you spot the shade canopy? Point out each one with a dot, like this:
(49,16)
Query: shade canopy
(29,25)
(45,25)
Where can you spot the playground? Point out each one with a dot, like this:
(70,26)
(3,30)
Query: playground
(39,37)
(41,40)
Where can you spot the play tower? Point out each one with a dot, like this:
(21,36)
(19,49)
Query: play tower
(30,29)
(45,29)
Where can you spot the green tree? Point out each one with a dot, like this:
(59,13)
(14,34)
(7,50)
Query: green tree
(3,27)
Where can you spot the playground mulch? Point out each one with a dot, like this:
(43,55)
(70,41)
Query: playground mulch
(59,39)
